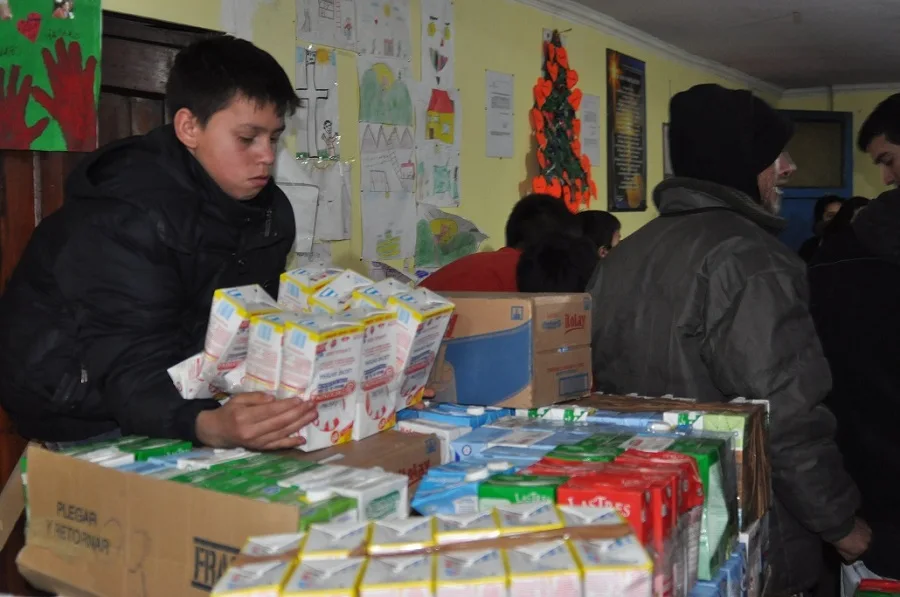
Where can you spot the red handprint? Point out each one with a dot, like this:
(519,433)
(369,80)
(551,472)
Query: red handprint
(14,132)
(73,104)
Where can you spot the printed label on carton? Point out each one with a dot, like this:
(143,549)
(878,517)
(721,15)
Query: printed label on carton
(630,496)
(376,409)
(409,576)
(618,567)
(334,578)
(527,518)
(265,351)
(263,579)
(322,357)
(584,516)
(271,545)
(454,528)
(376,296)
(335,296)
(330,541)
(186,377)
(297,285)
(543,569)
(383,496)
(402,535)
(482,573)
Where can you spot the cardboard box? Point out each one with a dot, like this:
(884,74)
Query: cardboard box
(515,350)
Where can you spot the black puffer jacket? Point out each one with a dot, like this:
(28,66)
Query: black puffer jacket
(705,302)
(116,287)
(855,293)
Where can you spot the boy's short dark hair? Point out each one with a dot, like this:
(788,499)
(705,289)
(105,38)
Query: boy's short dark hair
(208,74)
(558,262)
(884,120)
(536,215)
(599,226)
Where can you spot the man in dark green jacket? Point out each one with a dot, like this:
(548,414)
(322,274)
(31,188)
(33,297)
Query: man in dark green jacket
(705,302)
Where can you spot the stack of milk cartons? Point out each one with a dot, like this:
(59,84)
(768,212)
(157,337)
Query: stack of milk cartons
(448,422)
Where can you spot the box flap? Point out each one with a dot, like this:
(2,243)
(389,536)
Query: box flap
(12,504)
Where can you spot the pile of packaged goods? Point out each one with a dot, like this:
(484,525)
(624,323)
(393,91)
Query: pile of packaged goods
(360,350)
(515,550)
(877,588)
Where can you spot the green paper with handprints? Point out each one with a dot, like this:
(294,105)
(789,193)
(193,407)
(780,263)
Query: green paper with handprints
(442,237)
(49,74)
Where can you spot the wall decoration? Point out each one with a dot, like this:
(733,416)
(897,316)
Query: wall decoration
(442,237)
(564,171)
(384,94)
(49,74)
(384,28)
(318,119)
(387,157)
(330,216)
(590,128)
(327,22)
(437,174)
(437,145)
(389,225)
(438,38)
(626,133)
(498,108)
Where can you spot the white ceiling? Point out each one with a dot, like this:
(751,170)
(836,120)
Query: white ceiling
(789,43)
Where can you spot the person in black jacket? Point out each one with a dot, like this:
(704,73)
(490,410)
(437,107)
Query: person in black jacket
(825,210)
(116,286)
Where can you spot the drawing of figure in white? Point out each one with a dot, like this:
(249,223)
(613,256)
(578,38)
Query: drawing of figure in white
(330,138)
(306,27)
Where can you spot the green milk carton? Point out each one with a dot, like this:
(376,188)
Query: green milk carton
(337,509)
(146,449)
(517,489)
(583,453)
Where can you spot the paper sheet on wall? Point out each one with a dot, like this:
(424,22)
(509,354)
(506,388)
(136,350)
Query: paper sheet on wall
(317,118)
(319,256)
(379,271)
(590,128)
(389,225)
(327,22)
(387,157)
(439,122)
(383,28)
(499,114)
(304,200)
(442,237)
(237,17)
(438,40)
(329,218)
(384,91)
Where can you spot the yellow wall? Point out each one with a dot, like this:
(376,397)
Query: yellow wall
(866,176)
(498,35)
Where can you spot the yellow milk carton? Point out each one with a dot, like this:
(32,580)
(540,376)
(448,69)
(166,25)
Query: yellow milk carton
(618,567)
(398,576)
(325,578)
(514,519)
(480,573)
(261,579)
(331,541)
(376,408)
(297,285)
(229,325)
(322,359)
(544,569)
(398,536)
(376,296)
(588,516)
(422,320)
(457,528)
(273,545)
(336,296)
(265,354)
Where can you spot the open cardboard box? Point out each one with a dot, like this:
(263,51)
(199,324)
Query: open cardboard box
(99,532)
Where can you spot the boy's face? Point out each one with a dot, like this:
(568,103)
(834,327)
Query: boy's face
(236,147)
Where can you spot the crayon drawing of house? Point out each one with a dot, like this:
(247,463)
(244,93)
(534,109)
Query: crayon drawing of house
(439,117)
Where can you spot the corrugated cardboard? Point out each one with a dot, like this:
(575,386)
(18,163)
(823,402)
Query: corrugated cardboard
(99,532)
(515,350)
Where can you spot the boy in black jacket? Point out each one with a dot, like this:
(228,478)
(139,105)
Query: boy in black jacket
(116,287)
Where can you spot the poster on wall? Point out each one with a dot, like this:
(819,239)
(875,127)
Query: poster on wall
(327,22)
(437,145)
(384,91)
(438,33)
(384,28)
(317,118)
(442,237)
(49,74)
(626,150)
(498,107)
(590,127)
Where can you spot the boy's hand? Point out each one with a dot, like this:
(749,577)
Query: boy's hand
(256,421)
(426,394)
(853,546)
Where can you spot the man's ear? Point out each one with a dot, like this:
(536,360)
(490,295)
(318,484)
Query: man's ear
(187,128)
(603,252)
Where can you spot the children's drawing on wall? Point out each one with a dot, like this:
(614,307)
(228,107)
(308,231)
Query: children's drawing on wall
(384,94)
(49,74)
(331,215)
(437,173)
(387,157)
(440,117)
(442,237)
(437,145)
(389,225)
(438,33)
(318,131)
(327,22)
(384,28)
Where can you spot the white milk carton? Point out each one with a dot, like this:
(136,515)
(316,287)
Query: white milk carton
(398,536)
(265,351)
(459,528)
(376,408)
(322,359)
(296,286)
(186,377)
(335,296)
(398,576)
(332,541)
(273,545)
(480,573)
(588,516)
(543,569)
(325,578)
(229,326)
(376,296)
(422,319)
(618,567)
(316,476)
(385,495)
(260,579)
(527,518)
(445,432)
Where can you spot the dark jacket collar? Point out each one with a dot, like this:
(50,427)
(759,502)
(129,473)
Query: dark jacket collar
(682,196)
(878,226)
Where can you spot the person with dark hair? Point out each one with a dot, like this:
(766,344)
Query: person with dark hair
(705,302)
(533,217)
(825,209)
(845,216)
(854,292)
(116,286)
(879,136)
(557,263)
(603,228)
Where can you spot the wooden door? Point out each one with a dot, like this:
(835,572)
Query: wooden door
(137,55)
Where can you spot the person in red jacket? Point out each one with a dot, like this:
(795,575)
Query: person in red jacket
(532,218)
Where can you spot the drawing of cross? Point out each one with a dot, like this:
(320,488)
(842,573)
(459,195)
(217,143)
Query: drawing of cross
(310,95)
